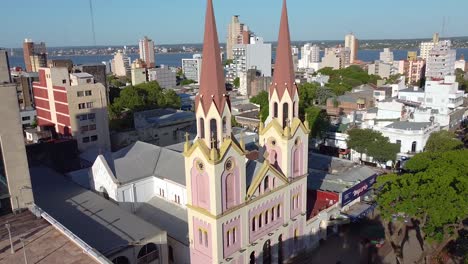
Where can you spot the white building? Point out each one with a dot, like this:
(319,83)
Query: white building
(386,56)
(412,136)
(351,43)
(295,56)
(28,117)
(310,54)
(256,55)
(382,69)
(441,60)
(460,64)
(191,67)
(139,75)
(425,48)
(336,58)
(121,64)
(164,76)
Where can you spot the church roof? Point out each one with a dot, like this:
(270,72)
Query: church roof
(212,82)
(283,77)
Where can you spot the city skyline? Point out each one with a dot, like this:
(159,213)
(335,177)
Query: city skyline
(327,23)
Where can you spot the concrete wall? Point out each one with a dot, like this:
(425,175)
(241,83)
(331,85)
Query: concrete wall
(13,149)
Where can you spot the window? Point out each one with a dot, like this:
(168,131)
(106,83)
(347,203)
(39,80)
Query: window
(234,235)
(88,81)
(213,129)
(64,81)
(94,138)
(266,183)
(201,125)
(228,237)
(230,191)
(161,192)
(260,220)
(266,217)
(398,142)
(89,105)
(81,106)
(285,114)
(275,110)
(82,117)
(91,116)
(278,211)
(92,127)
(206,238)
(26,118)
(273,214)
(88,92)
(273,183)
(85,139)
(253,223)
(79,93)
(200,236)
(83,129)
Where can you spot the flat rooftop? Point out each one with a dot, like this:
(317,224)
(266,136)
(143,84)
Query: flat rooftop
(44,243)
(332,174)
(405,125)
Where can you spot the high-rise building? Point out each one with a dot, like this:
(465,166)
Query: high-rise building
(72,105)
(121,64)
(310,54)
(337,58)
(139,72)
(15,183)
(412,55)
(24,81)
(414,70)
(191,67)
(386,56)
(256,55)
(241,209)
(352,43)
(35,55)
(98,71)
(441,60)
(147,52)
(426,47)
(295,57)
(5,76)
(236,35)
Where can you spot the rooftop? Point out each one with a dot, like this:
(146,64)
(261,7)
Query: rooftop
(333,174)
(103,225)
(82,75)
(169,217)
(404,125)
(44,243)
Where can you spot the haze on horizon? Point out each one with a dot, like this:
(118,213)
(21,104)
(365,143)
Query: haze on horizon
(67,23)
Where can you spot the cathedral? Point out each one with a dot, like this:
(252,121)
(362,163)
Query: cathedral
(245,208)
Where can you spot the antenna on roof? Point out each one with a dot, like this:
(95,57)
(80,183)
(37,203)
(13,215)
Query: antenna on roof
(92,21)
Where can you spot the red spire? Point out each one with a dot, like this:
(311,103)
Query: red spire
(212,82)
(283,77)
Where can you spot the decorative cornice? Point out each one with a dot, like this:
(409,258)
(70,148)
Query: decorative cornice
(261,174)
(228,143)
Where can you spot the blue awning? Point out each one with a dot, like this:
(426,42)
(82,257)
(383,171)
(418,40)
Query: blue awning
(359,210)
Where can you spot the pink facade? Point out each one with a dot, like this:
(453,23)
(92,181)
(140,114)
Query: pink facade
(203,247)
(230,182)
(297,159)
(200,187)
(274,156)
(265,217)
(296,201)
(232,236)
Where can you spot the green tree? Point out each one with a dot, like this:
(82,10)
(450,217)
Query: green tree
(262,99)
(236,82)
(172,100)
(307,95)
(443,141)
(373,144)
(433,196)
(228,62)
(460,78)
(393,78)
(187,82)
(319,122)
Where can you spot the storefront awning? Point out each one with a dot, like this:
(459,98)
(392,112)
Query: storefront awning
(359,210)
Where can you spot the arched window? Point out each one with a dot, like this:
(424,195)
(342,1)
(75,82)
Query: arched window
(285,114)
(201,191)
(296,237)
(148,253)
(224,125)
(280,249)
(213,129)
(202,127)
(253,223)
(252,258)
(278,211)
(294,109)
(413,146)
(273,182)
(230,191)
(275,110)
(121,260)
(296,161)
(104,193)
(266,183)
(267,252)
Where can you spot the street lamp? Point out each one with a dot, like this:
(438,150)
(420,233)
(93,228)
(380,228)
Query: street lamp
(12,249)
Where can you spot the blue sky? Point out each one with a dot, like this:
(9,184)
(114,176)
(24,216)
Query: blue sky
(120,22)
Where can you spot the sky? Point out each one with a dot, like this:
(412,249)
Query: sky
(123,22)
